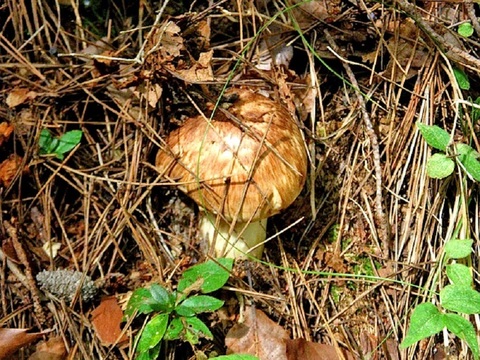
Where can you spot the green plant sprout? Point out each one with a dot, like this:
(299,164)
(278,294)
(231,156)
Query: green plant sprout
(442,164)
(465,29)
(49,145)
(175,312)
(460,297)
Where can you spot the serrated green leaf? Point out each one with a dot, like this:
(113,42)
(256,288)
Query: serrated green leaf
(198,304)
(468,156)
(67,142)
(236,357)
(435,136)
(195,329)
(465,29)
(439,166)
(215,274)
(459,275)
(460,299)
(153,333)
(464,330)
(174,329)
(425,321)
(458,248)
(462,79)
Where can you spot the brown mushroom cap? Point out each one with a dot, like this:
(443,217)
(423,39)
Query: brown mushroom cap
(248,163)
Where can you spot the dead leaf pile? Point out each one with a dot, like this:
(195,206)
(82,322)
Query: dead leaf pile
(261,337)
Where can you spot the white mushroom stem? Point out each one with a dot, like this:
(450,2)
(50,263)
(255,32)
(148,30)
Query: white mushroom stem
(245,239)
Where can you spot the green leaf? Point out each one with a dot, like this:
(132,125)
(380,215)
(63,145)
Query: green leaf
(439,166)
(164,299)
(464,330)
(45,142)
(459,275)
(425,321)
(462,79)
(198,304)
(435,136)
(458,248)
(468,156)
(174,329)
(236,357)
(475,110)
(196,328)
(461,299)
(67,142)
(465,29)
(149,354)
(153,333)
(214,274)
(142,300)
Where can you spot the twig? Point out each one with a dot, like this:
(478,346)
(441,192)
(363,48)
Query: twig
(381,219)
(32,286)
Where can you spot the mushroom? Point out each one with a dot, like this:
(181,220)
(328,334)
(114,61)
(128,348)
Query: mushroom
(244,165)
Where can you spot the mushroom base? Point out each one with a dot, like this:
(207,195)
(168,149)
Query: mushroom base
(246,239)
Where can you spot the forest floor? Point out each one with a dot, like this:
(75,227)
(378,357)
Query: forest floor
(91,89)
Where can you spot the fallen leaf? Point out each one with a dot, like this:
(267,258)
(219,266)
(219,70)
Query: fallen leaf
(11,340)
(18,96)
(6,130)
(106,319)
(258,336)
(53,349)
(9,168)
(301,349)
(201,70)
(311,12)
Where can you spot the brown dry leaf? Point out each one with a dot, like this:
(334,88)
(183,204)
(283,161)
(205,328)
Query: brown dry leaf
(18,96)
(6,130)
(407,56)
(171,41)
(9,168)
(106,319)
(258,336)
(201,70)
(53,349)
(308,13)
(11,340)
(301,349)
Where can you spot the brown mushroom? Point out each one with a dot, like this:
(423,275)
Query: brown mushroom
(243,166)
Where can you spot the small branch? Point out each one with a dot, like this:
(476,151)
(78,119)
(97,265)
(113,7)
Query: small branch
(32,286)
(381,219)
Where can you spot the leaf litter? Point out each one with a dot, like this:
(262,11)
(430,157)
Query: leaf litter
(130,84)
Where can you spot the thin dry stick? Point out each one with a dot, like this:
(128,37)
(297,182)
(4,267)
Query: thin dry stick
(32,286)
(382,221)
